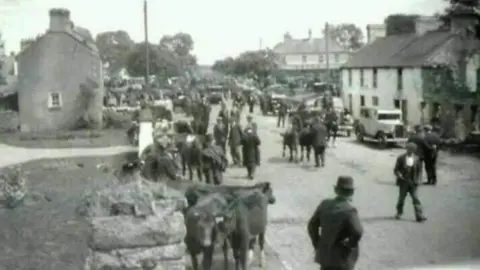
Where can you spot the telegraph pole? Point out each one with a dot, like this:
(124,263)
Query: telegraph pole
(327,50)
(147,53)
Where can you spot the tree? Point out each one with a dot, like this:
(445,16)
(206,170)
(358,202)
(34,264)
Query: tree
(348,35)
(399,24)
(162,61)
(181,44)
(445,15)
(114,47)
(257,65)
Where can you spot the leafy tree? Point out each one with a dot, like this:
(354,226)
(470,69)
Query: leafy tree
(181,44)
(398,24)
(444,16)
(114,47)
(348,35)
(256,65)
(163,62)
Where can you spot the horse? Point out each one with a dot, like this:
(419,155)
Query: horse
(306,137)
(290,140)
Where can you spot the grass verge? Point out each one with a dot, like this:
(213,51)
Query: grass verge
(66,139)
(48,235)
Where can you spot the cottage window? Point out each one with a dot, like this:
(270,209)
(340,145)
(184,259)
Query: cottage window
(375,101)
(337,57)
(362,101)
(400,79)
(473,113)
(396,103)
(321,59)
(54,100)
(349,77)
(478,80)
(362,78)
(304,58)
(374,78)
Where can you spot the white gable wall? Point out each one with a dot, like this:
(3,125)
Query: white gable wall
(386,90)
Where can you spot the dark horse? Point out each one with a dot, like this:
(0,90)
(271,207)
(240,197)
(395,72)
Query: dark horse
(290,140)
(306,137)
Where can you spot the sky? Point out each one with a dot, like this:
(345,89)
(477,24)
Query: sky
(219,28)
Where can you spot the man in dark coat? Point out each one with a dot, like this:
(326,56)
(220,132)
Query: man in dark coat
(158,165)
(319,141)
(418,138)
(251,124)
(431,155)
(251,151)
(408,168)
(234,141)
(331,121)
(225,115)
(220,134)
(335,229)
(214,162)
(251,102)
(282,114)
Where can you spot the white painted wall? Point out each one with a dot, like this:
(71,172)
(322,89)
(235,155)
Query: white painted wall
(386,90)
(314,61)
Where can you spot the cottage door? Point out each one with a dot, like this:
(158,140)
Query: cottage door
(404,108)
(350,103)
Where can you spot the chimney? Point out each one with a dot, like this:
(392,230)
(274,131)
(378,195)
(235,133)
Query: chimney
(375,31)
(287,37)
(424,24)
(60,20)
(463,20)
(309,33)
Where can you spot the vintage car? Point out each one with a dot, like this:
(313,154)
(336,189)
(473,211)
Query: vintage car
(214,93)
(384,127)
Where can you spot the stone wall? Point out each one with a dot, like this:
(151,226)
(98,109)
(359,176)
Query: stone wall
(137,225)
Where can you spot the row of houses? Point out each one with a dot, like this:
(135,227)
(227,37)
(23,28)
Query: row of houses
(433,72)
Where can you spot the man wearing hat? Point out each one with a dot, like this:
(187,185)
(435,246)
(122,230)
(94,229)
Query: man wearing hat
(214,161)
(251,124)
(418,138)
(408,170)
(220,133)
(251,151)
(434,141)
(335,229)
(320,141)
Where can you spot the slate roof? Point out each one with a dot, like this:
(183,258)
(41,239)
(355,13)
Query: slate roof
(306,46)
(408,50)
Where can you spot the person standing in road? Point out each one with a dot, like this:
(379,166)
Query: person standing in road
(331,120)
(251,102)
(251,151)
(234,141)
(282,114)
(319,141)
(418,138)
(335,229)
(220,134)
(251,124)
(434,141)
(214,162)
(408,168)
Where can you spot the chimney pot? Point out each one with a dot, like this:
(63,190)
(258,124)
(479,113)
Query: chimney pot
(60,20)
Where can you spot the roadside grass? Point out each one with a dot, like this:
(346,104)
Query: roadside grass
(48,235)
(67,139)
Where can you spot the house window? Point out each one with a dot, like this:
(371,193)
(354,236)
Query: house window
(458,109)
(396,103)
(337,57)
(54,100)
(375,101)
(473,113)
(321,59)
(478,80)
(374,78)
(399,79)
(349,77)
(304,58)
(362,79)
(362,101)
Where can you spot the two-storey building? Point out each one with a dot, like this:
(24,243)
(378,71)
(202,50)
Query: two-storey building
(311,57)
(432,73)
(60,77)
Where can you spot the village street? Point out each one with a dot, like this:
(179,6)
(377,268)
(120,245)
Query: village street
(449,235)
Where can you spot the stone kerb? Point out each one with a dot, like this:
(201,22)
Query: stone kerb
(137,225)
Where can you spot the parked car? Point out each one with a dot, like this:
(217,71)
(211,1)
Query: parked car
(215,94)
(384,127)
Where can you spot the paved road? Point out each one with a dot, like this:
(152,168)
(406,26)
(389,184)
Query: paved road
(450,234)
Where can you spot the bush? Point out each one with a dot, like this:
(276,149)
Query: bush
(113,119)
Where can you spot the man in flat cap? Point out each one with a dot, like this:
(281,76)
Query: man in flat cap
(433,140)
(335,229)
(408,170)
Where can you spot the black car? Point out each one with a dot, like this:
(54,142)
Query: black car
(215,94)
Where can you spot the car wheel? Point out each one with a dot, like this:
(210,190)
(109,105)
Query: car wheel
(382,141)
(359,134)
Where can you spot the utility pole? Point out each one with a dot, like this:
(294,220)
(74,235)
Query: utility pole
(326,36)
(147,53)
